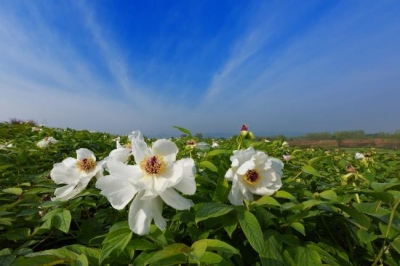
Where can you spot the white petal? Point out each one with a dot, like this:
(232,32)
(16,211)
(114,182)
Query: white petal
(235,196)
(69,191)
(160,183)
(118,193)
(248,165)
(83,153)
(166,148)
(140,150)
(176,201)
(63,193)
(120,154)
(229,174)
(174,174)
(131,173)
(142,212)
(277,165)
(64,173)
(187,185)
(135,135)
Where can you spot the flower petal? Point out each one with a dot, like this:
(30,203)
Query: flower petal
(248,165)
(120,154)
(176,201)
(83,153)
(142,212)
(65,172)
(167,149)
(235,197)
(125,173)
(187,185)
(119,194)
(69,191)
(135,135)
(140,150)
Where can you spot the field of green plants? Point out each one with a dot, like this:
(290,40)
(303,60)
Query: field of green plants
(71,197)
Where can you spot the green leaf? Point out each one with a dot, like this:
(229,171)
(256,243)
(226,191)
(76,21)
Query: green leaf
(272,255)
(43,260)
(18,233)
(209,165)
(7,260)
(170,251)
(383,196)
(365,236)
(310,170)
(210,210)
(184,130)
(92,254)
(284,195)
(221,191)
(217,152)
(391,233)
(5,166)
(216,245)
(252,230)
(266,200)
(359,219)
(307,256)
(328,194)
(81,260)
(199,249)
(13,190)
(229,222)
(396,244)
(115,241)
(142,244)
(311,203)
(210,258)
(62,221)
(381,187)
(298,227)
(325,256)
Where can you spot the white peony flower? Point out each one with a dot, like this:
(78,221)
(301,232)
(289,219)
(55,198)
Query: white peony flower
(153,179)
(253,172)
(285,144)
(215,145)
(359,156)
(46,142)
(122,153)
(75,173)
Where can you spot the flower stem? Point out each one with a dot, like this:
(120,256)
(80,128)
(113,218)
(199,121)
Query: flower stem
(387,233)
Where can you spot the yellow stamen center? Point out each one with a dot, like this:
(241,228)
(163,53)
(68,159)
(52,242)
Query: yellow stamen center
(252,177)
(153,165)
(128,145)
(86,165)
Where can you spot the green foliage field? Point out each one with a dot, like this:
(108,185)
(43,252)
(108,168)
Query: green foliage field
(332,209)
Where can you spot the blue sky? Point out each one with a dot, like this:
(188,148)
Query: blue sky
(209,66)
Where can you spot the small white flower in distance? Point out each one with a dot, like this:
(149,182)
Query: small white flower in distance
(359,156)
(253,172)
(285,144)
(215,144)
(46,142)
(75,173)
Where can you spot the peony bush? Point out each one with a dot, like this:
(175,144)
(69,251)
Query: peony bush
(92,198)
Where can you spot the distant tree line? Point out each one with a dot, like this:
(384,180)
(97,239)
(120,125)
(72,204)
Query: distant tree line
(338,136)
